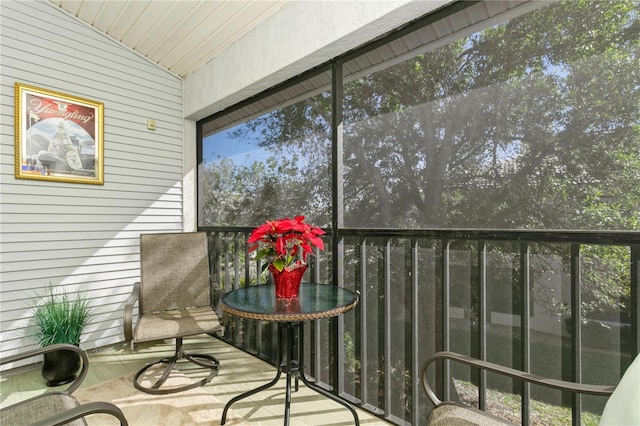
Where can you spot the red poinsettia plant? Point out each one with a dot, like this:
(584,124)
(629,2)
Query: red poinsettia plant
(285,243)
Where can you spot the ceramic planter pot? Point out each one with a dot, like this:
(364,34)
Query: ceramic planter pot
(287,283)
(60,367)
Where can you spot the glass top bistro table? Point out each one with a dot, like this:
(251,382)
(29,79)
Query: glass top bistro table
(314,301)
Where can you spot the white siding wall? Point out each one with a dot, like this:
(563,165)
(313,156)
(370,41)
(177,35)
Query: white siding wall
(84,237)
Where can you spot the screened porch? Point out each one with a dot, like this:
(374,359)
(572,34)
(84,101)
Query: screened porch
(474,164)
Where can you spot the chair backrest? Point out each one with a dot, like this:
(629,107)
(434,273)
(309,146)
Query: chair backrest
(174,271)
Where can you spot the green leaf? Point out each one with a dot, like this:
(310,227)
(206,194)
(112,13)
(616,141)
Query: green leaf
(279,264)
(263,253)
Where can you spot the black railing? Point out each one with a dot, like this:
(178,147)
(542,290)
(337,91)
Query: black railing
(559,304)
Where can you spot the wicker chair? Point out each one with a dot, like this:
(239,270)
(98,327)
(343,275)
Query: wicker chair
(56,407)
(454,414)
(176,299)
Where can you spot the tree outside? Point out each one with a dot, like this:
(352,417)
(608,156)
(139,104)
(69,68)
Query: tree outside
(533,123)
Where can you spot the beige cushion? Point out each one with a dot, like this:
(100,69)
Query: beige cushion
(176,323)
(36,409)
(623,406)
(452,414)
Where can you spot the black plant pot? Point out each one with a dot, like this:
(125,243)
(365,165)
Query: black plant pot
(60,367)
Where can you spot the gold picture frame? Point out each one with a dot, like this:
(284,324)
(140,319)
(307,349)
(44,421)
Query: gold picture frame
(59,137)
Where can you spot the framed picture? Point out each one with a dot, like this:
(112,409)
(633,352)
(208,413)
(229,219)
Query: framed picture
(59,137)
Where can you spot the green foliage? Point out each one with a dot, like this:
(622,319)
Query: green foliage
(60,319)
(606,283)
(532,123)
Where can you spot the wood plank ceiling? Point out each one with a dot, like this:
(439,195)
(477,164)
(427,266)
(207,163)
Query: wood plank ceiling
(180,35)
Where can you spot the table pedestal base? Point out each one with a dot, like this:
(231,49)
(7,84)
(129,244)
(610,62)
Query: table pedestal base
(293,368)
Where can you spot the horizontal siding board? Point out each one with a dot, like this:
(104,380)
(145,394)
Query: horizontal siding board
(17,313)
(61,209)
(84,238)
(70,253)
(99,235)
(128,198)
(60,276)
(124,147)
(66,267)
(143,168)
(90,243)
(144,163)
(65,274)
(123,138)
(134,129)
(100,302)
(83,203)
(78,219)
(114,191)
(124,117)
(111,287)
(71,227)
(105,288)
(104,312)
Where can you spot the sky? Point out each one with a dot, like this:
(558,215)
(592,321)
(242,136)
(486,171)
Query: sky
(241,151)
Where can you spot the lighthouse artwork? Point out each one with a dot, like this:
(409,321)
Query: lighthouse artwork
(59,137)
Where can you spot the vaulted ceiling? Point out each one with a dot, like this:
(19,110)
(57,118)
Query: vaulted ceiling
(178,35)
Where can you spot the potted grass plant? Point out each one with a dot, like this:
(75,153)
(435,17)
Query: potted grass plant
(60,318)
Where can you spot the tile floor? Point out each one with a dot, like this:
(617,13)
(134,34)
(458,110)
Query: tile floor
(239,371)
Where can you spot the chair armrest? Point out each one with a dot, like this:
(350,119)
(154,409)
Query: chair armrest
(61,346)
(506,371)
(217,292)
(128,312)
(82,411)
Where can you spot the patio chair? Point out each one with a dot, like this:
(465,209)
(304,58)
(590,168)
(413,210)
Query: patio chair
(622,408)
(56,407)
(176,299)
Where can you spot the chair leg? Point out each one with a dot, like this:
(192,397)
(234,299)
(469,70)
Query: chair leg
(206,361)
